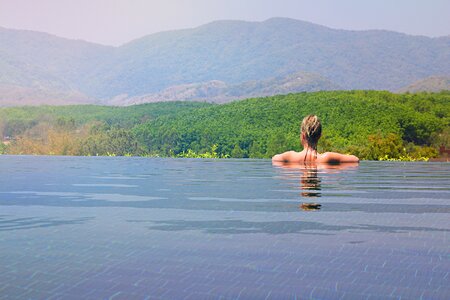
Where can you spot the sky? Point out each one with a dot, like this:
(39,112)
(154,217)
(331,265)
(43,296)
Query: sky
(115,22)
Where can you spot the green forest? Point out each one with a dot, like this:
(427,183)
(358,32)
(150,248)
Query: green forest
(373,125)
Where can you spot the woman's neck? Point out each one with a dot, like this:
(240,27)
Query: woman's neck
(309,152)
(309,149)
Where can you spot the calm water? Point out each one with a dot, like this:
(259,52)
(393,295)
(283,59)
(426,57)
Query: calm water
(139,228)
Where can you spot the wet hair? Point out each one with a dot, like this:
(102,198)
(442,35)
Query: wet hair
(312,128)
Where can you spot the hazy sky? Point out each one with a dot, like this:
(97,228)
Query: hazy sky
(114,22)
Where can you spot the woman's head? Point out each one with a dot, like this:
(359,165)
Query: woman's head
(311,131)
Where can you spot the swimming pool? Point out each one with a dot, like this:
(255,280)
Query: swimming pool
(140,228)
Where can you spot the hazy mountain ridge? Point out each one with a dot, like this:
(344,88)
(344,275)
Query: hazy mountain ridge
(430,84)
(234,52)
(38,68)
(13,95)
(220,92)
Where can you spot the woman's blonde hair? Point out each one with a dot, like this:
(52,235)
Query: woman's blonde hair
(312,129)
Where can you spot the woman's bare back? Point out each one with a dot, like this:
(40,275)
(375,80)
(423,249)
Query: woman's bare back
(310,156)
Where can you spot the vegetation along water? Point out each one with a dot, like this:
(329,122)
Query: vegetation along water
(373,125)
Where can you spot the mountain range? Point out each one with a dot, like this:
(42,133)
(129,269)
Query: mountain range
(429,84)
(218,62)
(220,92)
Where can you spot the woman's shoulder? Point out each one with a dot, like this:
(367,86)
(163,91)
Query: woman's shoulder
(334,157)
(293,156)
(288,156)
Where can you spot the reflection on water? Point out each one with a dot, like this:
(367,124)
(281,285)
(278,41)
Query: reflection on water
(310,182)
(279,227)
(10,224)
(137,228)
(310,206)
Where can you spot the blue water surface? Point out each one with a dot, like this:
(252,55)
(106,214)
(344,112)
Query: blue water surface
(148,228)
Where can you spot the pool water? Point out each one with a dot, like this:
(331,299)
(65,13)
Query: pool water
(145,228)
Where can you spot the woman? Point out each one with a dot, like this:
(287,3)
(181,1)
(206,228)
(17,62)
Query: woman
(311,131)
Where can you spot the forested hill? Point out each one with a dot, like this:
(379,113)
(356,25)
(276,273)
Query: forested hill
(370,124)
(40,68)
